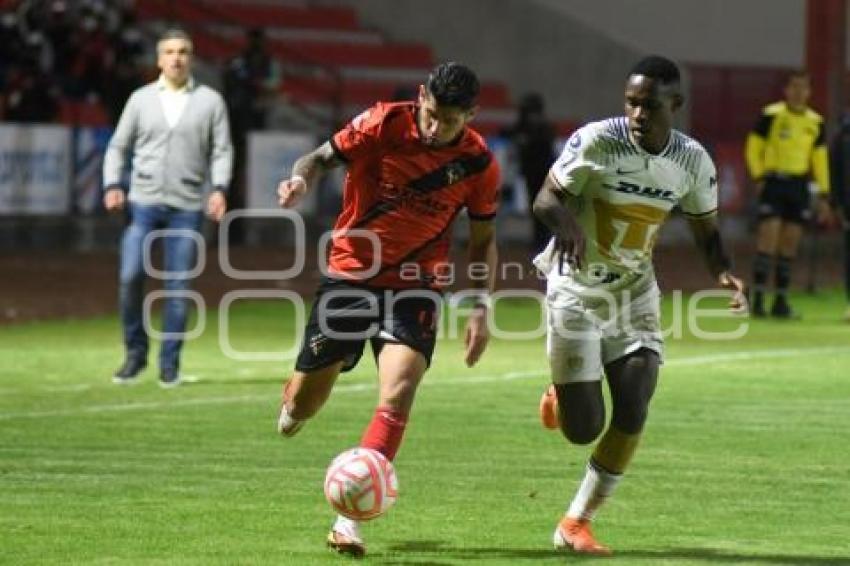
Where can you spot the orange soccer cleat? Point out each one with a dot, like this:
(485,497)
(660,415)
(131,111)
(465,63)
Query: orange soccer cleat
(549,408)
(575,535)
(345,544)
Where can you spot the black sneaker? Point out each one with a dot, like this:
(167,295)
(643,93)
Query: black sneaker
(129,372)
(781,309)
(169,377)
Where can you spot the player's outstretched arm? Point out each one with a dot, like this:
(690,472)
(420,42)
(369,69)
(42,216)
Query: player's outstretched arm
(708,240)
(551,210)
(483,257)
(307,170)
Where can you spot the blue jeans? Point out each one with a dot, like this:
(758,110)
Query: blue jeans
(180,255)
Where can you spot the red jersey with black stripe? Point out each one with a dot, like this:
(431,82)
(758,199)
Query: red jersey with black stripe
(401,197)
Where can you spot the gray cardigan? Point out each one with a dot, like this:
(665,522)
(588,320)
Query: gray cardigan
(171,165)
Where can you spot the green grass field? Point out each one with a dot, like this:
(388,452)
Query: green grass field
(744,461)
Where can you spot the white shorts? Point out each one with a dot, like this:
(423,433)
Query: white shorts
(584,335)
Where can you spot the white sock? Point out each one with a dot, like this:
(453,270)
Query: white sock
(286,425)
(348,527)
(595,488)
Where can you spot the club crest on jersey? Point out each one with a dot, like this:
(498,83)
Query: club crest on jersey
(635,189)
(454,173)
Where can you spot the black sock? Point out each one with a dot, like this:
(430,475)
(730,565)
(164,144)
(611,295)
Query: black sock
(783,274)
(761,271)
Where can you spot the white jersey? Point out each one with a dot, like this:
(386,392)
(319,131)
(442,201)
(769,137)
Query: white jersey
(621,195)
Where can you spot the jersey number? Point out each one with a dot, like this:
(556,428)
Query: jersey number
(626,227)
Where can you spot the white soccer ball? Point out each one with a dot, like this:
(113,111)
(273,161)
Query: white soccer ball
(361,484)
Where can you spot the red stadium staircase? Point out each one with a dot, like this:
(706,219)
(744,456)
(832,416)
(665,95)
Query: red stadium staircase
(332,66)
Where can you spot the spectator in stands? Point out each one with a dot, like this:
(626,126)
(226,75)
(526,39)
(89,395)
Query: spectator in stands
(127,35)
(534,138)
(251,81)
(784,151)
(30,97)
(125,78)
(124,72)
(60,29)
(178,133)
(86,51)
(840,169)
(10,40)
(94,55)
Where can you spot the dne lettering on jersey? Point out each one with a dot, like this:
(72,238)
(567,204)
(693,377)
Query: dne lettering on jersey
(411,198)
(650,192)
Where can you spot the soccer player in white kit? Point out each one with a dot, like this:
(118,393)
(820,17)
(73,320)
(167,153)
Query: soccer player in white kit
(605,200)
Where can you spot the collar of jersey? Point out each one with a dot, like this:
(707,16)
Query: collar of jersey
(643,152)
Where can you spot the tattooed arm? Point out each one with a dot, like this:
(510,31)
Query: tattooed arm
(307,170)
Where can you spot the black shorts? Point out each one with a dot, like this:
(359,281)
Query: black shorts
(785,197)
(345,316)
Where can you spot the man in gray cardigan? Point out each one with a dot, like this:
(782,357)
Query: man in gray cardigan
(178,134)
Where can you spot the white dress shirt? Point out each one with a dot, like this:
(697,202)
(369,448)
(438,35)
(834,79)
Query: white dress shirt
(174,101)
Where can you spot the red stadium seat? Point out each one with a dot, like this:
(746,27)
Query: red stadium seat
(359,65)
(308,90)
(81,113)
(194,12)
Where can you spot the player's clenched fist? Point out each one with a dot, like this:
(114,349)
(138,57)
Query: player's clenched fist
(290,191)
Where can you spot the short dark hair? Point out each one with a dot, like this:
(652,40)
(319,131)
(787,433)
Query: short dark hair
(453,84)
(658,68)
(174,33)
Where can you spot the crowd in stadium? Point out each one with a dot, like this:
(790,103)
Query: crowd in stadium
(53,51)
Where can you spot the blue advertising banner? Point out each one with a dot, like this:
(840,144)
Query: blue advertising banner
(35,169)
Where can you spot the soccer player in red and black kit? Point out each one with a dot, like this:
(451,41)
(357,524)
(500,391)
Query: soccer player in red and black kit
(412,168)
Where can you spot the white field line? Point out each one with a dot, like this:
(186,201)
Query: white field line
(747,355)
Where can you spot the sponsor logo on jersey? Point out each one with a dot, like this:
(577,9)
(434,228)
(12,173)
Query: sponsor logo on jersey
(454,173)
(405,196)
(650,192)
(599,273)
(621,171)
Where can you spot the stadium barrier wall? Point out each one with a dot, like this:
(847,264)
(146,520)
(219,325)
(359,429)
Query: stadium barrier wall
(35,169)
(51,188)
